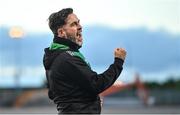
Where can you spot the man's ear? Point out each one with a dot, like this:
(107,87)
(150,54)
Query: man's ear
(61,33)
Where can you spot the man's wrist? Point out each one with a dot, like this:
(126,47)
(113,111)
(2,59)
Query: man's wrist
(118,60)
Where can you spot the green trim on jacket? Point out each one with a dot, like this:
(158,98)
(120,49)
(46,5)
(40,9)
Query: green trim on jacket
(55,46)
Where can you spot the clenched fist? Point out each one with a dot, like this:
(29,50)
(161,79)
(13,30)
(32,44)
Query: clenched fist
(120,53)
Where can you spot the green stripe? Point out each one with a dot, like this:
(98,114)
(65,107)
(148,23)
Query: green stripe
(79,54)
(55,46)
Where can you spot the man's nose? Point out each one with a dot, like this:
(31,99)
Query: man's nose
(79,27)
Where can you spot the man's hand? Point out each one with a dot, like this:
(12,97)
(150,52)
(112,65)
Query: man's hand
(120,53)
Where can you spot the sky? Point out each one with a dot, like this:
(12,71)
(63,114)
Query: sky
(32,15)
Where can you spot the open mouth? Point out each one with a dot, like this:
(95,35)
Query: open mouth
(79,38)
(79,35)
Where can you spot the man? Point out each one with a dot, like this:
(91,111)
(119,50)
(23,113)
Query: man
(73,86)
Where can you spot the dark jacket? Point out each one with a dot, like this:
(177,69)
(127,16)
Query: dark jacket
(73,86)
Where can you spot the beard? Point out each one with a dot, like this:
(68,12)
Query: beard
(71,38)
(75,39)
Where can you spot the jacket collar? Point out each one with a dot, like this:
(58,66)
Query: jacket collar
(66,42)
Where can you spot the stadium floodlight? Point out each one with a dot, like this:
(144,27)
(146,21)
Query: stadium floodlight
(16,32)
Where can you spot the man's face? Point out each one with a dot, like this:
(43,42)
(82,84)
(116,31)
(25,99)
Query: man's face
(73,30)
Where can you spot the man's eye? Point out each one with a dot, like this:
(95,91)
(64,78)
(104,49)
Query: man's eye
(74,24)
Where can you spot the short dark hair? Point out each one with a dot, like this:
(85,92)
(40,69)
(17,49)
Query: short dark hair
(57,19)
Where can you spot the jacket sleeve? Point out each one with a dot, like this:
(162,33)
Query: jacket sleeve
(92,82)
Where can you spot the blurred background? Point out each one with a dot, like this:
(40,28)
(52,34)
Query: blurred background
(149,30)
